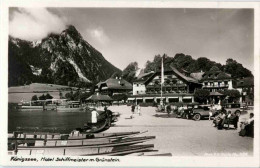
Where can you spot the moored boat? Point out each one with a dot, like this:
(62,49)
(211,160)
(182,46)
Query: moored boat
(75,135)
(89,151)
(69,106)
(32,105)
(41,144)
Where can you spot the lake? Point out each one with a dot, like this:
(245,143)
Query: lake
(33,118)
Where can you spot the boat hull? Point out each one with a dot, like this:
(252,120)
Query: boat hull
(62,109)
(82,143)
(108,151)
(32,107)
(72,136)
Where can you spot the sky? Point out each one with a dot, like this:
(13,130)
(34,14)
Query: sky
(125,35)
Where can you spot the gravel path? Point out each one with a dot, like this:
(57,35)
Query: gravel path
(181,136)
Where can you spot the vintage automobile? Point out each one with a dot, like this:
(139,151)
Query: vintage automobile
(199,112)
(233,107)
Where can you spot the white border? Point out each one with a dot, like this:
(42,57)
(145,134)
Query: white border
(129,161)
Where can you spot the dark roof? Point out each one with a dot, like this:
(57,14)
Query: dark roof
(215,75)
(215,94)
(113,83)
(144,77)
(245,82)
(176,72)
(186,78)
(100,97)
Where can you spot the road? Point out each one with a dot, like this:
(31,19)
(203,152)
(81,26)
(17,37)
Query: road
(183,137)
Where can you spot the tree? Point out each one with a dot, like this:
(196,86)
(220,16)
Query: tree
(48,96)
(61,95)
(42,97)
(233,95)
(201,95)
(69,96)
(236,69)
(34,98)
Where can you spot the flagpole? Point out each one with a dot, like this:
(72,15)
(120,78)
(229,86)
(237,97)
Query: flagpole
(162,79)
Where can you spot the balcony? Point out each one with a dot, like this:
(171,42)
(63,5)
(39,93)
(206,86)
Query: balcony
(216,86)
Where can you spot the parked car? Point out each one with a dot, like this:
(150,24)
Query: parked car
(199,112)
(187,112)
(233,107)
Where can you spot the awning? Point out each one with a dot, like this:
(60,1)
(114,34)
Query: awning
(138,98)
(215,94)
(100,98)
(173,97)
(149,98)
(131,98)
(187,97)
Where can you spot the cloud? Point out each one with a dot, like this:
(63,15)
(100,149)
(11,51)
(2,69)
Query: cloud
(35,23)
(99,35)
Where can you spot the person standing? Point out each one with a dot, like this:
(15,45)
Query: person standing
(94,115)
(168,110)
(139,109)
(133,110)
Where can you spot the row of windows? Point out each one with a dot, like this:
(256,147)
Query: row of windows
(212,83)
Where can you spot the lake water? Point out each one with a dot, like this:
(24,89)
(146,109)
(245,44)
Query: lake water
(33,118)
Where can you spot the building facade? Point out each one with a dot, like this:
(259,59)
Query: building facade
(245,86)
(113,86)
(215,80)
(177,87)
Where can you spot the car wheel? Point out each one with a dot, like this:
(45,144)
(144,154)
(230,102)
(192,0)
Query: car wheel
(197,117)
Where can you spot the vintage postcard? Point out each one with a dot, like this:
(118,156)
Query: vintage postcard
(106,83)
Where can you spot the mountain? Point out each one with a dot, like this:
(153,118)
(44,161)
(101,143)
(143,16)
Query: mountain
(64,58)
(186,62)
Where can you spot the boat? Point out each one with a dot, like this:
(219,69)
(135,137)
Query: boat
(47,104)
(104,120)
(75,135)
(42,144)
(89,151)
(69,106)
(31,105)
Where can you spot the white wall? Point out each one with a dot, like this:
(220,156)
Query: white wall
(138,87)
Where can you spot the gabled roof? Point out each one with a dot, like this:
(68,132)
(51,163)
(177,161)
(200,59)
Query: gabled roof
(215,75)
(144,77)
(113,83)
(176,72)
(215,94)
(182,76)
(100,97)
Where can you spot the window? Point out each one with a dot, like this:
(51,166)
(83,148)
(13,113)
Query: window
(137,85)
(206,83)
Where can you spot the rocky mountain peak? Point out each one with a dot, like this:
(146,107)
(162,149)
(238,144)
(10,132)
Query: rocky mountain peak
(64,58)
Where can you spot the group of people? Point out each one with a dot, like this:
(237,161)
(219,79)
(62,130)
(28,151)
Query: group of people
(222,117)
(135,109)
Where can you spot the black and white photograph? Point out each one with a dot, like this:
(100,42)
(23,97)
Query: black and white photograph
(131,82)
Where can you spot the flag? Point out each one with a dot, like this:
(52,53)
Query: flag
(162,73)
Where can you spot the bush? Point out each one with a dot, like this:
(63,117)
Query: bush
(34,98)
(233,95)
(201,95)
